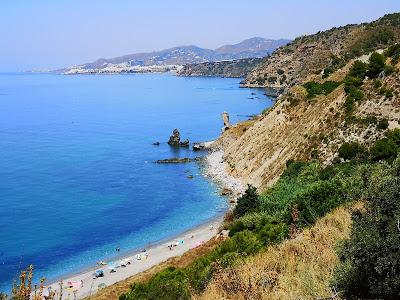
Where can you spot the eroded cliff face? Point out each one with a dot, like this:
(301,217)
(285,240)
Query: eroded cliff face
(257,151)
(297,127)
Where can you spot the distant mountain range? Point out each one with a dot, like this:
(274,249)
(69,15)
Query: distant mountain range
(173,58)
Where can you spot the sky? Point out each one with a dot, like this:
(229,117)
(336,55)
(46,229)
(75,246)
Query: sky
(49,34)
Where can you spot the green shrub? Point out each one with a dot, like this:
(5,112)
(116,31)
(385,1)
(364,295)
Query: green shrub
(169,284)
(355,94)
(351,82)
(314,88)
(382,124)
(388,69)
(372,39)
(293,167)
(369,261)
(352,150)
(384,149)
(247,203)
(394,135)
(377,83)
(393,52)
(349,105)
(327,71)
(376,64)
(358,70)
(244,242)
(273,232)
(389,93)
(280,71)
(318,199)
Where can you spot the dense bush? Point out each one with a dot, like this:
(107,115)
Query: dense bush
(170,284)
(358,69)
(393,52)
(370,267)
(371,40)
(376,64)
(383,124)
(314,88)
(352,150)
(384,149)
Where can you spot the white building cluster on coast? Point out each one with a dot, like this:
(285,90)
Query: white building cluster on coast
(123,68)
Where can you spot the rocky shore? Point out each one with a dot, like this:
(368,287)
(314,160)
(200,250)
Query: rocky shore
(216,170)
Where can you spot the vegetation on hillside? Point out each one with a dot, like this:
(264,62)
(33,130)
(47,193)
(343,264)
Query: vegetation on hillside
(322,54)
(304,193)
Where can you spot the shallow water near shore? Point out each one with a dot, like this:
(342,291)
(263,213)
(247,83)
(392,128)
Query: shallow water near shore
(77,176)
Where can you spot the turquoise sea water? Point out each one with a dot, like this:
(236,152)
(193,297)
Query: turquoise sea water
(77,177)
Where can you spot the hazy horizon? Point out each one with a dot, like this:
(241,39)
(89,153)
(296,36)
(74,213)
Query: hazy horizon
(49,35)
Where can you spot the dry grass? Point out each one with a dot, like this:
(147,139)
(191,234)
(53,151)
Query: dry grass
(115,290)
(296,269)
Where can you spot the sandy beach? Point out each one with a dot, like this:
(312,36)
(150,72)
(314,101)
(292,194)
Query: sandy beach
(84,284)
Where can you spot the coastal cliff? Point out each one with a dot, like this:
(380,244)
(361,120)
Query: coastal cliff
(321,54)
(234,68)
(305,126)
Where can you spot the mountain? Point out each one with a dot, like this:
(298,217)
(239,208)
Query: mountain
(179,56)
(323,52)
(254,47)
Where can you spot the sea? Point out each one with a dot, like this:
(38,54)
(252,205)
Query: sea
(78,177)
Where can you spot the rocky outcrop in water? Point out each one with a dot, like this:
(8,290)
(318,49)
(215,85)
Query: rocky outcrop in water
(175,139)
(177,160)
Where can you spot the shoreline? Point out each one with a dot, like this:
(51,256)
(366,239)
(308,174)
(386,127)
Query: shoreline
(158,252)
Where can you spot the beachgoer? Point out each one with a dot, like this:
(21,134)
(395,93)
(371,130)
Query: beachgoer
(81,283)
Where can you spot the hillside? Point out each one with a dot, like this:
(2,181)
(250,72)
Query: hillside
(332,139)
(299,124)
(233,68)
(322,53)
(182,55)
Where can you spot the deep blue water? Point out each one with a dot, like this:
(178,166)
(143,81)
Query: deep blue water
(77,177)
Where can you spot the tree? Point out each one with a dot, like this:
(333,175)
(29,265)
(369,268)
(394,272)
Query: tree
(247,202)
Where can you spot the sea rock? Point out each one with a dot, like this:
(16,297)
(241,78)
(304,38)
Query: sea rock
(177,160)
(226,192)
(225,118)
(185,143)
(156,144)
(198,146)
(175,138)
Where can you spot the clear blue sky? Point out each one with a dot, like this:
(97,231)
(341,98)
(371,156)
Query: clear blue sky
(56,33)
